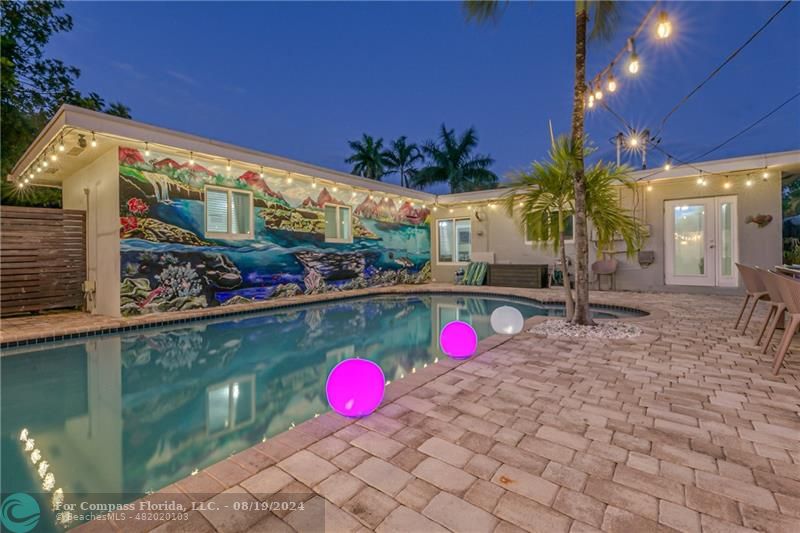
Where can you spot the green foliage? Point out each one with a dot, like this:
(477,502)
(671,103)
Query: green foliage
(369,158)
(33,87)
(401,158)
(548,199)
(30,196)
(483,10)
(451,161)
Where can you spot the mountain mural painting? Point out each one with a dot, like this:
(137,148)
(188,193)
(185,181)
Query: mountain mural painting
(169,263)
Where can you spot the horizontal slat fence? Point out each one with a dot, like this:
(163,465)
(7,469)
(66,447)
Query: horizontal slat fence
(42,259)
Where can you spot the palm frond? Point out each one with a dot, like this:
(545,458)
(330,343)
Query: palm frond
(483,10)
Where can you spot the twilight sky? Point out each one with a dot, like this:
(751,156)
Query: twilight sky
(300,79)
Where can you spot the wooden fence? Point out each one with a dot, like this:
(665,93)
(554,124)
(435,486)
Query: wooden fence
(42,259)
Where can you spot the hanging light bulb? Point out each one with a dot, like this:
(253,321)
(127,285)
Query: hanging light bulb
(26,180)
(94,141)
(749,182)
(335,189)
(289,177)
(727,183)
(590,104)
(53,156)
(633,58)
(228,166)
(611,84)
(764,175)
(700,180)
(45,163)
(261,173)
(633,141)
(61,144)
(146,150)
(598,93)
(20,185)
(668,164)
(191,158)
(30,175)
(664,28)
(649,188)
(314,183)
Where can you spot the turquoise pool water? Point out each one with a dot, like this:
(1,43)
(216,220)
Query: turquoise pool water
(133,412)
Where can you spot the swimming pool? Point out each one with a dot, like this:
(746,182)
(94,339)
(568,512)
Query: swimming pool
(132,412)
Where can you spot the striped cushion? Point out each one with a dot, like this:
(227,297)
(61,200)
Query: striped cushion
(479,274)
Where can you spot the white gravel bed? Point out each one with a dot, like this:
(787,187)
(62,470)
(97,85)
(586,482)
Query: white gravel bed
(604,330)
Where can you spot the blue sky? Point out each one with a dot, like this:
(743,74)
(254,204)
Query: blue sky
(300,79)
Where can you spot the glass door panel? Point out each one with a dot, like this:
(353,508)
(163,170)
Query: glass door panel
(689,244)
(727,241)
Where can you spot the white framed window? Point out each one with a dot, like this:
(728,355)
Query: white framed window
(569,232)
(454,241)
(228,213)
(338,223)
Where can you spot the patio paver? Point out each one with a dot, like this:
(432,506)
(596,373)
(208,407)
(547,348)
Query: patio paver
(686,429)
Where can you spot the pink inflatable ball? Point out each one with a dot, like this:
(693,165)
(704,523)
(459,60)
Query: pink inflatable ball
(458,340)
(355,387)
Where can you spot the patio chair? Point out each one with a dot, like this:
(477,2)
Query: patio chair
(776,308)
(605,267)
(754,289)
(475,273)
(790,293)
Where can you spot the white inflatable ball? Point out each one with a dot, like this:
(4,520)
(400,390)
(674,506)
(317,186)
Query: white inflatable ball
(507,320)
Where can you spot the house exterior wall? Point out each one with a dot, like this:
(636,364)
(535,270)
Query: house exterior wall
(102,227)
(499,233)
(168,262)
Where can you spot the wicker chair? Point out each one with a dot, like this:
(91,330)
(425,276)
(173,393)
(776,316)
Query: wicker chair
(776,309)
(790,293)
(754,288)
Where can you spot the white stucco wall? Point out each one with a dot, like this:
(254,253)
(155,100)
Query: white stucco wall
(101,178)
(500,234)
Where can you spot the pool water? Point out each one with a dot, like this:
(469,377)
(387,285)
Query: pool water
(133,412)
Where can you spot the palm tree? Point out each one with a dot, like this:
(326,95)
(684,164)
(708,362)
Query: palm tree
(451,161)
(544,199)
(401,158)
(368,157)
(604,16)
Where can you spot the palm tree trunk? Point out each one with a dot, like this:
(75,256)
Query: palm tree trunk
(581,315)
(569,304)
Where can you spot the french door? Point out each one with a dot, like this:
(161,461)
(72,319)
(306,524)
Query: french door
(701,241)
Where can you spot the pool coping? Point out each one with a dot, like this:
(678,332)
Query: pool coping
(113,325)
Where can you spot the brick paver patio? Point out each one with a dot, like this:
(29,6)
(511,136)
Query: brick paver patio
(687,430)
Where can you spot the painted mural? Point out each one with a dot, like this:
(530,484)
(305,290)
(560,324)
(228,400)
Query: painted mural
(168,263)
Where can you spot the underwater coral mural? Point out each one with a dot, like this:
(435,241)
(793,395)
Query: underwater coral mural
(169,263)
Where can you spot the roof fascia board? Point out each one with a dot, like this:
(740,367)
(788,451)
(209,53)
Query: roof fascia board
(45,137)
(140,132)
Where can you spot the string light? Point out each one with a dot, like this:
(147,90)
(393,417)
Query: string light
(94,141)
(598,94)
(191,158)
(727,183)
(649,188)
(61,144)
(749,182)
(590,104)
(668,164)
(288,177)
(765,175)
(146,150)
(228,166)
(633,141)
(633,58)
(20,185)
(335,189)
(53,156)
(261,173)
(611,84)
(664,28)
(45,164)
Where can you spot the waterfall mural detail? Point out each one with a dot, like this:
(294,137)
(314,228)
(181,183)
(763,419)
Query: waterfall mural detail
(168,263)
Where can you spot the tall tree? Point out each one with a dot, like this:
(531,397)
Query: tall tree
(451,161)
(32,86)
(369,158)
(603,14)
(401,158)
(544,199)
